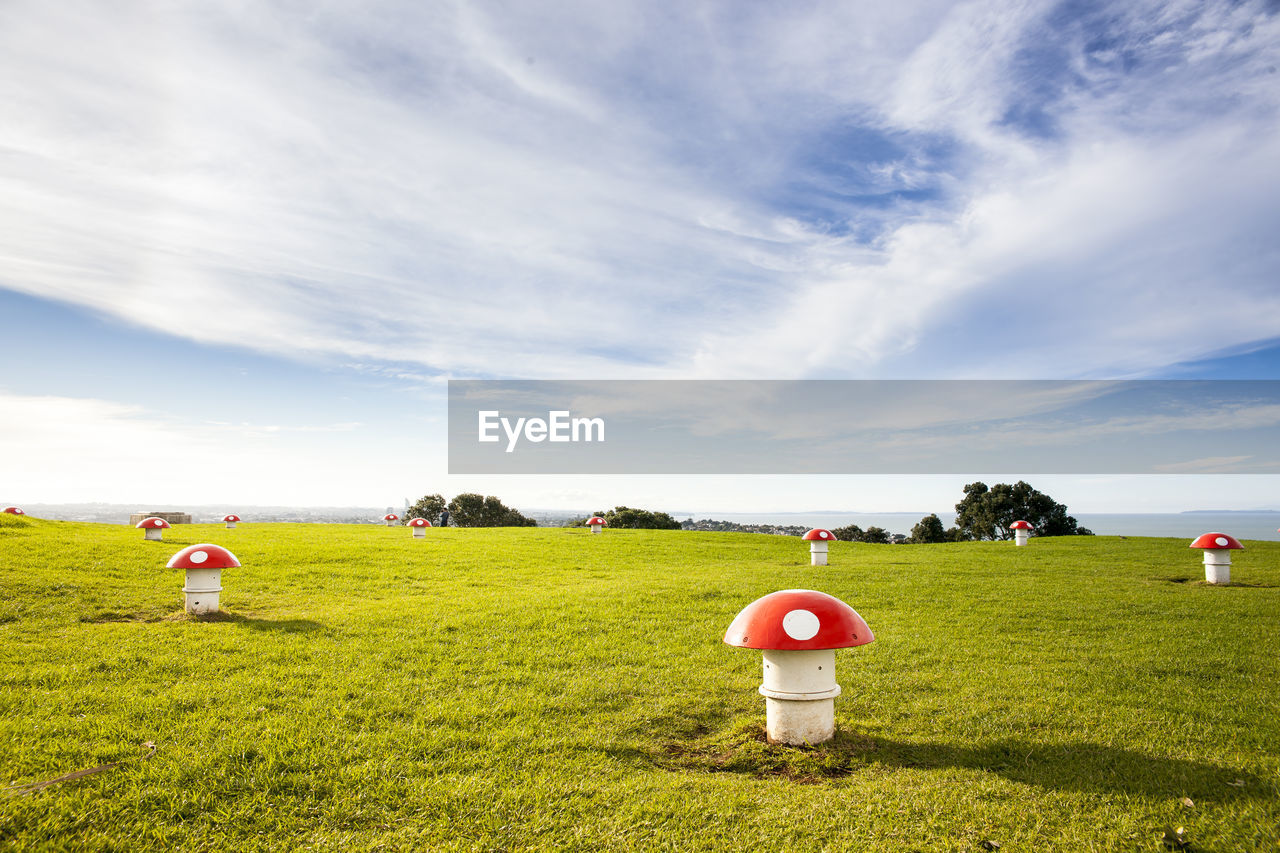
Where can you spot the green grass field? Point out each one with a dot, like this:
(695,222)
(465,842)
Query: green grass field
(549,689)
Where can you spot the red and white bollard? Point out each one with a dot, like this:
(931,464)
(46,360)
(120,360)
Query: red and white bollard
(799,630)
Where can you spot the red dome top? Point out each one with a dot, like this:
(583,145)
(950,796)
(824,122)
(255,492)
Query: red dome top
(13,510)
(391,516)
(798,620)
(595,519)
(419,522)
(1021,525)
(203,557)
(1217,542)
(152,522)
(231,518)
(820,535)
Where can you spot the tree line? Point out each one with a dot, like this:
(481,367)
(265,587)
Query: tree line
(984,513)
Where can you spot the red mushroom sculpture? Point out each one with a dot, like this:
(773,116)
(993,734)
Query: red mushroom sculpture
(391,518)
(1217,555)
(1021,532)
(204,564)
(152,527)
(596,523)
(231,521)
(13,510)
(799,631)
(419,527)
(818,540)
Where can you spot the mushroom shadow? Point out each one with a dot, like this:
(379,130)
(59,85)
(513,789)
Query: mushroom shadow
(1085,767)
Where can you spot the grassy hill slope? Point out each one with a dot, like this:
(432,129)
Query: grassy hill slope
(549,689)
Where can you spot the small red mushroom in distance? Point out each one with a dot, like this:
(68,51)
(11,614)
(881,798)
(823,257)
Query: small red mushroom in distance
(391,518)
(818,540)
(152,527)
(596,523)
(419,527)
(13,510)
(204,564)
(1217,555)
(231,521)
(799,630)
(1021,532)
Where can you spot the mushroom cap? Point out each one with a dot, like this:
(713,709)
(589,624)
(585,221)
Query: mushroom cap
(419,522)
(595,519)
(232,517)
(1022,525)
(391,516)
(151,522)
(820,535)
(798,620)
(1217,542)
(203,556)
(13,510)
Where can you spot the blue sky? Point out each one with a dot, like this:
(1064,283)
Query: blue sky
(243,247)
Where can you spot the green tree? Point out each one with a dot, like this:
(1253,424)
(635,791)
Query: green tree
(428,507)
(928,530)
(986,513)
(875,536)
(629,518)
(472,510)
(848,533)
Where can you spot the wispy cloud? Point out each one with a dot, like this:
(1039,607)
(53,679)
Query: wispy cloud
(1017,189)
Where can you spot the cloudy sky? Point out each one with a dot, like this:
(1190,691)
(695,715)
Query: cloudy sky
(243,245)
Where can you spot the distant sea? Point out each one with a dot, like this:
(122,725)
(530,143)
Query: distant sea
(1188,525)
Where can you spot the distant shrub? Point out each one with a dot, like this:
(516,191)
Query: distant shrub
(629,518)
(472,510)
(928,530)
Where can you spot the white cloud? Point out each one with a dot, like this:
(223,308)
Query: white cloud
(650,191)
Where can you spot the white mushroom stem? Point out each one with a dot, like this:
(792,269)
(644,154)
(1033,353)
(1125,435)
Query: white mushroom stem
(389,522)
(1217,566)
(1020,537)
(154,533)
(201,590)
(817,553)
(596,528)
(799,691)
(419,532)
(231,525)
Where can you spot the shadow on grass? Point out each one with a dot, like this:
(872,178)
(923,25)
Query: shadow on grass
(1087,767)
(253,623)
(1203,583)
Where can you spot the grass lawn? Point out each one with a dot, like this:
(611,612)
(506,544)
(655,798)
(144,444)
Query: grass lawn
(550,689)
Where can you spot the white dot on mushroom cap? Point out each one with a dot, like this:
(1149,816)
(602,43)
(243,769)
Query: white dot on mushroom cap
(199,556)
(824,534)
(1221,540)
(800,625)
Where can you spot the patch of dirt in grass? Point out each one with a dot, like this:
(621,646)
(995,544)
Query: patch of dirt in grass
(288,626)
(747,750)
(107,616)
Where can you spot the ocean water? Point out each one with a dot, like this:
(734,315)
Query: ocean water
(1188,525)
